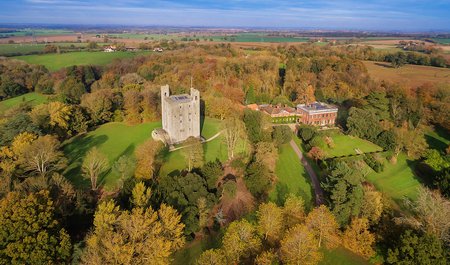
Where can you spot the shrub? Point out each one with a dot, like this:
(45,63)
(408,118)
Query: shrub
(375,163)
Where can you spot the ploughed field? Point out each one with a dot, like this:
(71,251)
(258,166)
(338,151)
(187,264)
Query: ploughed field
(410,75)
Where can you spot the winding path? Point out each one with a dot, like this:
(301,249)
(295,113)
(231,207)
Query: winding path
(315,181)
(203,141)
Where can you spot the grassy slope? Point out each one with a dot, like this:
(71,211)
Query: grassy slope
(292,178)
(32,98)
(54,62)
(412,75)
(346,145)
(117,139)
(398,180)
(113,140)
(437,138)
(215,149)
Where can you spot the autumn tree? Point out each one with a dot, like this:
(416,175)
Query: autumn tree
(212,257)
(136,236)
(42,156)
(146,159)
(99,105)
(233,129)
(267,154)
(372,205)
(316,153)
(431,213)
(193,153)
(29,231)
(300,246)
(267,258)
(240,241)
(203,212)
(270,222)
(94,165)
(324,226)
(358,238)
(293,211)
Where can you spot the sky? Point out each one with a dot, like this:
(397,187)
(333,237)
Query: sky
(391,15)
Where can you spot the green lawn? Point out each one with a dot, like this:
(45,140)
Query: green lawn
(341,256)
(117,139)
(209,127)
(292,178)
(113,139)
(32,98)
(398,180)
(437,138)
(215,149)
(346,145)
(54,62)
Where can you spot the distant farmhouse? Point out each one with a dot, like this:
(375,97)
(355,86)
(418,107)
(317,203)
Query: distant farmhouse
(316,113)
(109,49)
(180,116)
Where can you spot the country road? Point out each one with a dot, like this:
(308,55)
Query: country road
(315,181)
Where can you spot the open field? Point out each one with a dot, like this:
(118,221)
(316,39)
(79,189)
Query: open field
(292,178)
(112,139)
(29,48)
(442,41)
(54,62)
(397,181)
(237,37)
(409,75)
(35,32)
(347,145)
(32,98)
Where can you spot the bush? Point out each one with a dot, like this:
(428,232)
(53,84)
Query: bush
(306,133)
(375,163)
(281,134)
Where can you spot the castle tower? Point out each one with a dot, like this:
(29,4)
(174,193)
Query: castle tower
(180,114)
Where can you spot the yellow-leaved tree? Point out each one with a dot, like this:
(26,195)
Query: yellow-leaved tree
(270,222)
(300,246)
(139,236)
(358,238)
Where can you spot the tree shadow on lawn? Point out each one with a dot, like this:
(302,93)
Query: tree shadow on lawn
(282,191)
(76,151)
(436,143)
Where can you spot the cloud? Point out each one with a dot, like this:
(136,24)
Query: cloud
(348,14)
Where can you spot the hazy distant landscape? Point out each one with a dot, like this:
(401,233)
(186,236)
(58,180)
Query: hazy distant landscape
(215,133)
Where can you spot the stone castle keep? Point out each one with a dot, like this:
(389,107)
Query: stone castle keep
(180,115)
